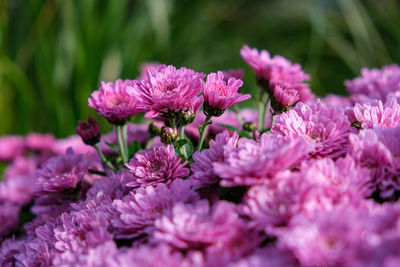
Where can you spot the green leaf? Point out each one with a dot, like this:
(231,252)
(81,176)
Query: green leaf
(133,148)
(112,146)
(181,142)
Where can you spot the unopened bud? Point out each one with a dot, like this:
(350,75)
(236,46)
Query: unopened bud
(155,128)
(168,135)
(249,126)
(89,132)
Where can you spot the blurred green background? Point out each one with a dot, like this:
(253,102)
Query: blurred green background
(54,53)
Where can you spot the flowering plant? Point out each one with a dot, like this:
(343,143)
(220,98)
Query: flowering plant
(302,181)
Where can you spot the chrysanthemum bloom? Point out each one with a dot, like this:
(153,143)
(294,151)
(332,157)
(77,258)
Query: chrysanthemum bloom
(376,114)
(89,132)
(61,172)
(113,102)
(273,204)
(157,165)
(379,151)
(168,90)
(8,250)
(327,128)
(11,147)
(332,238)
(143,69)
(374,84)
(203,227)
(220,95)
(283,98)
(34,252)
(18,189)
(137,211)
(336,101)
(202,167)
(277,70)
(270,256)
(40,142)
(253,162)
(76,143)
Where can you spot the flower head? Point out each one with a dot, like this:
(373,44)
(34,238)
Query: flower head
(168,89)
(253,162)
(113,102)
(40,142)
(89,132)
(327,128)
(137,211)
(11,147)
(157,165)
(375,84)
(220,95)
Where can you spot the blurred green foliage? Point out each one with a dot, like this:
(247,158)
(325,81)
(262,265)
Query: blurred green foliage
(54,53)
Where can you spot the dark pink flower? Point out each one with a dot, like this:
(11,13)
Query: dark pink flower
(327,128)
(168,89)
(9,214)
(220,95)
(253,162)
(89,132)
(157,165)
(284,97)
(113,102)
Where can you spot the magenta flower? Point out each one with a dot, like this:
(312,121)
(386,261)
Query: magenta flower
(220,95)
(199,226)
(11,147)
(284,98)
(8,218)
(277,70)
(375,84)
(40,142)
(254,162)
(327,128)
(157,165)
(61,172)
(89,132)
(168,89)
(113,102)
(137,211)
(376,114)
(203,160)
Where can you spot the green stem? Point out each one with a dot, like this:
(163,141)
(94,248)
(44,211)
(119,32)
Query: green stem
(262,110)
(202,133)
(103,158)
(182,136)
(172,123)
(121,143)
(236,110)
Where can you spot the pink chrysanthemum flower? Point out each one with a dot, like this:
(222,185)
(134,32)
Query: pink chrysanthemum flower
(199,226)
(220,95)
(376,114)
(157,165)
(168,89)
(379,151)
(375,84)
(327,128)
(136,212)
(252,162)
(284,97)
(202,165)
(237,74)
(8,218)
(11,147)
(62,172)
(277,70)
(113,102)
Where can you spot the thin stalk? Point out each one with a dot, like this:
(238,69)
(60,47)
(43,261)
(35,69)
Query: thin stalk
(182,136)
(264,112)
(172,123)
(236,110)
(103,158)
(121,143)
(202,133)
(262,106)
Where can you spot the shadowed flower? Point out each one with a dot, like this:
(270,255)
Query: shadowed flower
(113,102)
(157,165)
(327,128)
(220,95)
(89,132)
(168,89)
(137,211)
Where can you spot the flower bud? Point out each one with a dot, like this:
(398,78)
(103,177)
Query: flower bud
(168,135)
(249,126)
(89,132)
(155,128)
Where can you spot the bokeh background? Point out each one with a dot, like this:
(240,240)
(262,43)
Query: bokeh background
(54,53)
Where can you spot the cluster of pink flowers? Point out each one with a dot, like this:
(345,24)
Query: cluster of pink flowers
(304,182)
